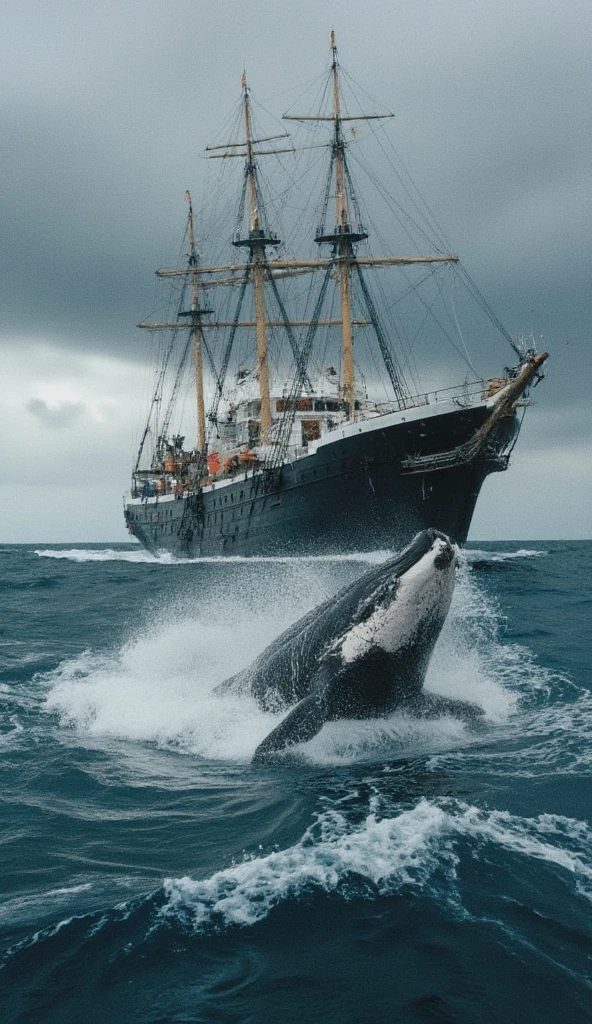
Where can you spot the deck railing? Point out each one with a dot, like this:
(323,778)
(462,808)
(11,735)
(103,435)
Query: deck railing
(466,393)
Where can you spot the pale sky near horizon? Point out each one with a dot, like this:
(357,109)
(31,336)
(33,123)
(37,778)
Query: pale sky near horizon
(107,109)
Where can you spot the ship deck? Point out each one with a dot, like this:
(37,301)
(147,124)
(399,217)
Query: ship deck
(349,492)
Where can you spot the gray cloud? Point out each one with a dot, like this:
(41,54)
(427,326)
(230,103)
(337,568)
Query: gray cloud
(107,116)
(54,417)
(107,110)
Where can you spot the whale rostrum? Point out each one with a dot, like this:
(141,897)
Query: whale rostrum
(363,653)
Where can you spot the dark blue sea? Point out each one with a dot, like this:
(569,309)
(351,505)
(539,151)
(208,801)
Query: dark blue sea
(393,870)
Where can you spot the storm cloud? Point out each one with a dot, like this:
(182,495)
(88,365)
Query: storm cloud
(107,110)
(54,417)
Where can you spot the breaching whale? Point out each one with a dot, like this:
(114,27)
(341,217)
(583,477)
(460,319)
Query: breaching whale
(361,654)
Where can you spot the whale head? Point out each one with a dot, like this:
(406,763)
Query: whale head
(402,606)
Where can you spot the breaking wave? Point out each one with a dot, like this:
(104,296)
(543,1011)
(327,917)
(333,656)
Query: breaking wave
(472,555)
(421,848)
(137,555)
(387,853)
(140,556)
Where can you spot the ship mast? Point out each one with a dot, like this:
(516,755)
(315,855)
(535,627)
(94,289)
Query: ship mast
(344,236)
(196,333)
(345,246)
(257,243)
(256,237)
(194,323)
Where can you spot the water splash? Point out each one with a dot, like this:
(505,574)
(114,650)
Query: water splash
(158,687)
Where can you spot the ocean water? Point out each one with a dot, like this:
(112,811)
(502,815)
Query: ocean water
(390,870)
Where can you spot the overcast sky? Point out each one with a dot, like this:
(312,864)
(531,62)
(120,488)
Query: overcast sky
(107,108)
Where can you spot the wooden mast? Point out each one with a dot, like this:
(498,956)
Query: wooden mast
(196,332)
(258,237)
(345,234)
(193,322)
(258,251)
(345,248)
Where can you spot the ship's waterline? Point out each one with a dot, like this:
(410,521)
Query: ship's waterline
(350,495)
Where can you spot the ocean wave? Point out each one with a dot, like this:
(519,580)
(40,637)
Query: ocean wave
(140,556)
(553,740)
(386,853)
(472,555)
(14,910)
(136,556)
(89,923)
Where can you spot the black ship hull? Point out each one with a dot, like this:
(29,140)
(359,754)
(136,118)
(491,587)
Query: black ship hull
(352,494)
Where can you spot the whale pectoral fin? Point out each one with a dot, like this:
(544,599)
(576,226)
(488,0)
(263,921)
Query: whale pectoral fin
(432,705)
(300,724)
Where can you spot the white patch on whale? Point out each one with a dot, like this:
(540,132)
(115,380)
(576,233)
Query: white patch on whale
(415,594)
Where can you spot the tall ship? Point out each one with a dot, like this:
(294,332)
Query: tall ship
(294,367)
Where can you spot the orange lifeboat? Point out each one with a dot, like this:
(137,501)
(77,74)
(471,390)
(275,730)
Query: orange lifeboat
(246,455)
(213,462)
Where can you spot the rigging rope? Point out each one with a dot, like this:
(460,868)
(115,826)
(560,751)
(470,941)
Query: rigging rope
(291,338)
(221,377)
(281,441)
(396,379)
(158,390)
(164,430)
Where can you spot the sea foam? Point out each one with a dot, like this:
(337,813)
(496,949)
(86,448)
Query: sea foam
(387,853)
(140,556)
